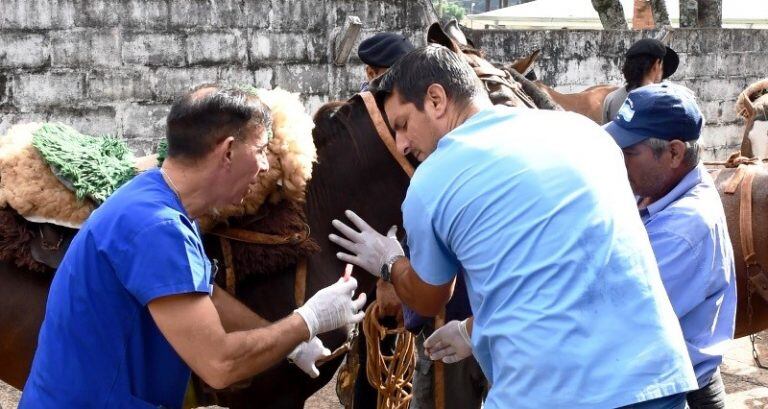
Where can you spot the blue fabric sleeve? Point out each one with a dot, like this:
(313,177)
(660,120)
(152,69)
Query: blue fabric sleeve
(430,257)
(166,258)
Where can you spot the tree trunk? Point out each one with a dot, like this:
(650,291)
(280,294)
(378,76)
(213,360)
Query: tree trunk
(660,15)
(711,13)
(642,18)
(487,5)
(689,13)
(611,14)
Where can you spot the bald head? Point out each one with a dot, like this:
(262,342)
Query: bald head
(205,116)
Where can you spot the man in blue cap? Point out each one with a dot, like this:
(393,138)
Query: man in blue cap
(657,128)
(381,52)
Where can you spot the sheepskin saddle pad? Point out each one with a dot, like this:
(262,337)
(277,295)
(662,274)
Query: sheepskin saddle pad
(51,173)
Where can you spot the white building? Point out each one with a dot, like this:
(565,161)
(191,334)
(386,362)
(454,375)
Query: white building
(579,14)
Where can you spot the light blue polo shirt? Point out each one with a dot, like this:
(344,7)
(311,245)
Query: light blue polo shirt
(690,239)
(99,346)
(570,311)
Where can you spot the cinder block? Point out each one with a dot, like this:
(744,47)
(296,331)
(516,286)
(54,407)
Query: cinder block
(269,47)
(712,111)
(219,47)
(207,13)
(740,40)
(731,65)
(257,14)
(98,121)
(86,48)
(37,14)
(313,102)
(235,76)
(304,78)
(301,15)
(48,89)
(116,85)
(23,50)
(263,78)
(154,49)
(755,64)
(699,65)
(142,126)
(169,83)
(128,13)
(718,89)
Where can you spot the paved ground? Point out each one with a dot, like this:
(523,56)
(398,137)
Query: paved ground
(746,384)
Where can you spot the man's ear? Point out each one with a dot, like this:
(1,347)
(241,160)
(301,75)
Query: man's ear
(224,151)
(437,99)
(677,152)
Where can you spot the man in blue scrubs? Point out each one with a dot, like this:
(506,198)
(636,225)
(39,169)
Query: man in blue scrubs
(534,208)
(657,128)
(133,306)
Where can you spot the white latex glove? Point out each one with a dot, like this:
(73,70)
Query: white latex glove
(370,249)
(306,354)
(333,307)
(449,343)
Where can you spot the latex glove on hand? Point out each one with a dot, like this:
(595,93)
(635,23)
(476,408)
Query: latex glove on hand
(333,307)
(449,343)
(369,249)
(306,355)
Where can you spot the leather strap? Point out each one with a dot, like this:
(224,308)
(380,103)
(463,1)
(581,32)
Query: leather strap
(735,181)
(757,276)
(383,130)
(300,283)
(253,237)
(229,265)
(745,217)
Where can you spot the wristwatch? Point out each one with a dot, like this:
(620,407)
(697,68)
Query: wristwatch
(386,268)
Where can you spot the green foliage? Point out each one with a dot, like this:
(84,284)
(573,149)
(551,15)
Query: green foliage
(92,167)
(447,10)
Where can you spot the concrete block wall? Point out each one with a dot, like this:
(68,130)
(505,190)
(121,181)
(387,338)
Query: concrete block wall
(716,64)
(115,66)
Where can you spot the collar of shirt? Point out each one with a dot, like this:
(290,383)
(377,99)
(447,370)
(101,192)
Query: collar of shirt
(690,180)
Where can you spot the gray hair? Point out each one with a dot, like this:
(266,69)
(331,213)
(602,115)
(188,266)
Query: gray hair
(658,146)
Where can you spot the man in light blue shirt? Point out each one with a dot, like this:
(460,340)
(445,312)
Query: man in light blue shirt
(657,128)
(535,209)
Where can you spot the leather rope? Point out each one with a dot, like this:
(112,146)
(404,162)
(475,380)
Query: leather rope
(229,265)
(300,283)
(254,237)
(390,375)
(384,134)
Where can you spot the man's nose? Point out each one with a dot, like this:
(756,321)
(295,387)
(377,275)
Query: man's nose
(403,145)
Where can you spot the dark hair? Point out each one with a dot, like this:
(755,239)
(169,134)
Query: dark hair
(636,67)
(203,117)
(424,66)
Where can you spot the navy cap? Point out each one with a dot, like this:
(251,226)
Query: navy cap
(663,111)
(655,48)
(384,49)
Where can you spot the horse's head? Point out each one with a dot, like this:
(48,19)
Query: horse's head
(354,171)
(499,83)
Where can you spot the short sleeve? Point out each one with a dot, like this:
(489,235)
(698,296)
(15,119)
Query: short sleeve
(165,259)
(434,263)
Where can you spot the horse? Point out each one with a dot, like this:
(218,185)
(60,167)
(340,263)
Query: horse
(354,171)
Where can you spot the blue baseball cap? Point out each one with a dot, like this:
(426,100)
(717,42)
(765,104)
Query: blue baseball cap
(663,111)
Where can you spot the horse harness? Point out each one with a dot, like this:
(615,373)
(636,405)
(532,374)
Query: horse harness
(491,75)
(757,278)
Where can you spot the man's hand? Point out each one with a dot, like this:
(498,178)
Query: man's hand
(370,250)
(333,307)
(387,300)
(449,343)
(306,355)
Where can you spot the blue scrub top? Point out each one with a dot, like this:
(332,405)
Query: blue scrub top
(99,346)
(536,209)
(690,239)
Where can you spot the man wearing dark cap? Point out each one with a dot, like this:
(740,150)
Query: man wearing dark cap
(380,52)
(648,61)
(657,128)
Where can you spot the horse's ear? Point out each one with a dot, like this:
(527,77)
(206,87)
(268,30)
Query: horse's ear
(327,124)
(436,35)
(525,65)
